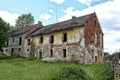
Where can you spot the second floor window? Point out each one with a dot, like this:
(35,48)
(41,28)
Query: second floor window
(64,37)
(20,41)
(92,37)
(52,39)
(41,39)
(7,42)
(98,40)
(95,23)
(13,40)
(28,42)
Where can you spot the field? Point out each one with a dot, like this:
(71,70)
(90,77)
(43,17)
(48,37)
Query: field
(33,69)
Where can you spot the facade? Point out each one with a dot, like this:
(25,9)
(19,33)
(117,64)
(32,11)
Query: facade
(19,43)
(79,39)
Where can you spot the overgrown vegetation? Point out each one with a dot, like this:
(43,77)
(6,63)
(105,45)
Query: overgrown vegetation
(33,69)
(71,73)
(4,35)
(106,54)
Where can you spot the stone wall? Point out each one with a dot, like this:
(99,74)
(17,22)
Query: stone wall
(14,49)
(75,46)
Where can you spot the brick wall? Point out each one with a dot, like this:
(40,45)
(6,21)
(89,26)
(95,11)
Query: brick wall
(94,38)
(92,26)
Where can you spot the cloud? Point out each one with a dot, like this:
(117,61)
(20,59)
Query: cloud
(68,13)
(9,17)
(58,2)
(87,2)
(51,10)
(108,15)
(45,16)
(111,35)
(111,40)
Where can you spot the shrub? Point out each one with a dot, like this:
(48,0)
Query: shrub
(71,73)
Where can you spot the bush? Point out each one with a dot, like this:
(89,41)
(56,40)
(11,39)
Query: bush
(71,73)
(2,57)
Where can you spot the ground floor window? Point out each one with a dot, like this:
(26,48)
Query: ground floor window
(64,53)
(92,53)
(98,54)
(12,51)
(6,50)
(40,54)
(95,58)
(28,49)
(19,49)
(51,53)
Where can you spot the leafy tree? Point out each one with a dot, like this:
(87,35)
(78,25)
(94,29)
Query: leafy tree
(106,54)
(24,20)
(4,36)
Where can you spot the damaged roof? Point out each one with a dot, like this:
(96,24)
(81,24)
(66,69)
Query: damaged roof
(74,22)
(22,30)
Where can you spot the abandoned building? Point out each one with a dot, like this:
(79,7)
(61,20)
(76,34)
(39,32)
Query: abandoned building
(78,39)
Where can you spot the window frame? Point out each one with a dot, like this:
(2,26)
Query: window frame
(51,53)
(51,39)
(20,40)
(28,41)
(64,53)
(64,37)
(19,49)
(41,39)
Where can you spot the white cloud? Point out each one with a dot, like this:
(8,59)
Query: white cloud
(45,16)
(108,15)
(9,17)
(87,2)
(51,10)
(58,2)
(68,13)
(111,35)
(112,40)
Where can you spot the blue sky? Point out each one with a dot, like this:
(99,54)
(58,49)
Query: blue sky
(52,11)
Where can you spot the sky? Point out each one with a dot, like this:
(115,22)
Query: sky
(52,11)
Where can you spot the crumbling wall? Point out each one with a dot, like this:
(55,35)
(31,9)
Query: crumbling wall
(94,39)
(75,45)
(18,49)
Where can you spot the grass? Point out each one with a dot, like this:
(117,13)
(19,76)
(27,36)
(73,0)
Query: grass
(33,69)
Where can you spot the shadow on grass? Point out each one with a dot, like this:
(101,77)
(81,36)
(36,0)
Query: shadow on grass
(3,57)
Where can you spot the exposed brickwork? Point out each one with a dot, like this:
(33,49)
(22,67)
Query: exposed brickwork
(92,26)
(34,28)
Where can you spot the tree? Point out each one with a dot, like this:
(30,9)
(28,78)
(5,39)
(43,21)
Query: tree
(24,20)
(106,54)
(4,35)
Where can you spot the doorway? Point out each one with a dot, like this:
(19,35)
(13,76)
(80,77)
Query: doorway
(12,51)
(40,54)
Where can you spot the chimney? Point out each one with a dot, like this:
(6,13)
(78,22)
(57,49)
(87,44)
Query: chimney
(73,17)
(39,22)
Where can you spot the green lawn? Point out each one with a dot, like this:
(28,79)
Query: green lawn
(33,69)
